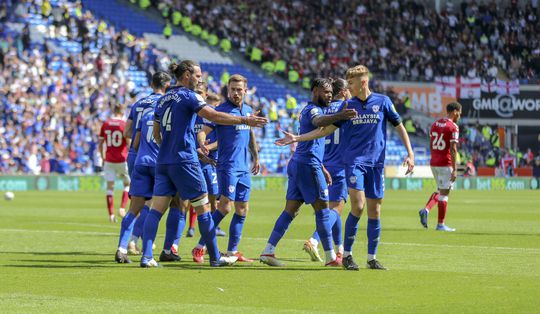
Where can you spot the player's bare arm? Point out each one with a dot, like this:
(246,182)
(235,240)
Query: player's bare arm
(328,119)
(156,132)
(222,118)
(327,175)
(201,139)
(409,160)
(253,149)
(453,155)
(128,129)
(315,134)
(137,141)
(101,148)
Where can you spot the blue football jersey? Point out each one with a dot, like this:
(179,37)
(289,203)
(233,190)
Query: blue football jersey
(332,153)
(148,148)
(364,138)
(176,112)
(211,137)
(310,152)
(138,109)
(233,140)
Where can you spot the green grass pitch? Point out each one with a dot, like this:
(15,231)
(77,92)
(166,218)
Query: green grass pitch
(57,255)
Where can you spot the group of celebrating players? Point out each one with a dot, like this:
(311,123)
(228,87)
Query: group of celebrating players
(188,151)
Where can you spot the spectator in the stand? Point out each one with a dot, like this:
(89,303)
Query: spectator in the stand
(282,164)
(508,164)
(403,40)
(536,167)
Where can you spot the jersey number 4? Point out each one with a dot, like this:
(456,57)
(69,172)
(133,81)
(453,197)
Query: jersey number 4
(438,142)
(167,117)
(114,138)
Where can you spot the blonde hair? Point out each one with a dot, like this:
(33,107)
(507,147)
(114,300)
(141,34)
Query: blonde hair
(357,71)
(237,78)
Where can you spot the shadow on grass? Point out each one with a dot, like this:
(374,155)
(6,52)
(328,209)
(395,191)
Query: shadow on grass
(58,253)
(37,266)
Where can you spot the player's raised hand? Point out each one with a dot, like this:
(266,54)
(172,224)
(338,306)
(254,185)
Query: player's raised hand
(409,162)
(346,113)
(287,140)
(256,121)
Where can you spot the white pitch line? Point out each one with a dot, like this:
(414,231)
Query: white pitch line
(476,247)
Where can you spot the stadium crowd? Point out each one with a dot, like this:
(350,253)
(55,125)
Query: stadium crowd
(52,104)
(403,40)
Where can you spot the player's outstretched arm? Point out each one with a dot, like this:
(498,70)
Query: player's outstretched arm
(315,134)
(328,119)
(211,114)
(409,160)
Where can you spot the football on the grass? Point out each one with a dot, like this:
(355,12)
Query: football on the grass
(8,196)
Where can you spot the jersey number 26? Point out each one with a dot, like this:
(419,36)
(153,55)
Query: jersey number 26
(438,142)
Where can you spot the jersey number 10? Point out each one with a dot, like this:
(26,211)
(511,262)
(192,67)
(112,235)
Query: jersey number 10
(438,142)
(114,138)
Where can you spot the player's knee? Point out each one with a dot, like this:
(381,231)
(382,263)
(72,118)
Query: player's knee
(443,198)
(200,201)
(241,210)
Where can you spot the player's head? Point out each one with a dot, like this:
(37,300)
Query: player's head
(321,91)
(202,89)
(161,81)
(453,111)
(213,99)
(187,73)
(237,89)
(117,109)
(358,78)
(340,89)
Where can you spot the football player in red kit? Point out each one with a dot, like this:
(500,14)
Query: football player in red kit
(444,136)
(111,137)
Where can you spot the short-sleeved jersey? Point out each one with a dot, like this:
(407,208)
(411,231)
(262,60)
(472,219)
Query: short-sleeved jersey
(233,140)
(364,137)
(136,112)
(176,112)
(112,133)
(309,152)
(200,122)
(332,154)
(442,133)
(148,148)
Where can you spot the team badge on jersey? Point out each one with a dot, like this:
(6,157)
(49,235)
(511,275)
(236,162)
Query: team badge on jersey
(375,109)
(325,192)
(231,188)
(352,179)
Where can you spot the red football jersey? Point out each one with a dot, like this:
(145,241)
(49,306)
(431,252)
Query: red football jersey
(442,133)
(112,132)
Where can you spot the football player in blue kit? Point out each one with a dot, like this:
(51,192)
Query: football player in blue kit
(235,144)
(177,165)
(307,180)
(143,168)
(337,191)
(364,143)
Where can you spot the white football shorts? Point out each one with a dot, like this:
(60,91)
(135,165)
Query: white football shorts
(113,170)
(442,176)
